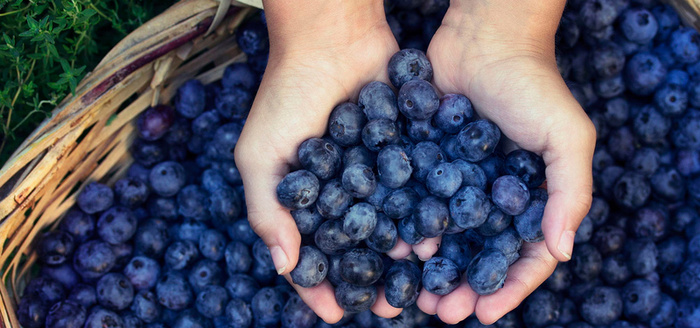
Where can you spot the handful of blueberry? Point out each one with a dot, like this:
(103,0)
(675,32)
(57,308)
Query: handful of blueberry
(410,166)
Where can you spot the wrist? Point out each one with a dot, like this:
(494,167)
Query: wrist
(320,26)
(526,23)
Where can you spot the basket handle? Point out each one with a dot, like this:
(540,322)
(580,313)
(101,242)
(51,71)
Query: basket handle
(223,9)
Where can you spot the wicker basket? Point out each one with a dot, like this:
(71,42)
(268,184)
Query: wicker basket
(87,137)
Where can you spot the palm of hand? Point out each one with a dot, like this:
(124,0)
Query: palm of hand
(519,88)
(297,95)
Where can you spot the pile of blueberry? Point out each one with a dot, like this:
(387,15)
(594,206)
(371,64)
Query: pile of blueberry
(412,166)
(169,244)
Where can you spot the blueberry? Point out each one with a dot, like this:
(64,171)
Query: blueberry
(424,130)
(693,247)
(685,44)
(359,154)
(191,99)
(487,271)
(440,276)
(266,306)
(63,274)
(81,226)
(319,157)
(688,313)
(361,267)
(165,208)
(667,314)
(239,75)
(116,225)
(154,122)
(378,100)
(586,262)
(510,194)
(211,301)
(331,239)
(560,279)
(469,207)
(607,60)
(478,140)
(238,314)
(241,286)
(597,14)
(418,100)
(671,100)
(393,166)
(687,162)
(668,184)
(142,272)
(472,174)
(333,200)
(402,284)
(687,135)
(296,314)
(408,232)
(601,306)
(527,166)
(541,308)
(131,192)
(622,144)
(384,236)
(409,64)
(650,126)
(205,125)
(616,111)
(93,259)
(690,278)
(643,73)
(95,197)
(632,190)
(584,231)
(508,242)
(354,299)
(212,244)
(638,25)
(359,180)
(431,217)
(333,275)
(114,291)
(448,144)
(307,219)
(455,247)
(152,238)
(346,123)
(684,217)
(146,306)
(645,161)
(252,38)
(56,247)
(379,133)
(103,318)
(148,153)
(444,180)
(400,203)
(496,222)
(32,312)
(191,319)
(641,298)
(359,221)
(167,178)
(298,189)
(426,155)
(311,269)
(225,206)
(453,113)
(615,270)
(529,223)
(609,239)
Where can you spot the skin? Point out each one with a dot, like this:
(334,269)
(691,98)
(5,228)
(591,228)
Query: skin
(498,53)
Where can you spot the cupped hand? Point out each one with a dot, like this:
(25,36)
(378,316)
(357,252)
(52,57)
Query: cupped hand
(509,73)
(307,75)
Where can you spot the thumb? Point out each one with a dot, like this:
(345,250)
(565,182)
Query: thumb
(272,222)
(568,156)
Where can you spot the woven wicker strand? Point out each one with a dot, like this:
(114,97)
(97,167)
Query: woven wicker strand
(87,137)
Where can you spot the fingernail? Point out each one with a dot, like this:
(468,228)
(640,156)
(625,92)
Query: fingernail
(279,258)
(566,243)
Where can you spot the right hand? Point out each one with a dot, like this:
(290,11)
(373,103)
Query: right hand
(311,69)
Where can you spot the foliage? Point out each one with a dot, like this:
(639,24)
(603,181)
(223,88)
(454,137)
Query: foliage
(47,47)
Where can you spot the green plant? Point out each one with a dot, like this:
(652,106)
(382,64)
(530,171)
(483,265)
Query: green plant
(46,48)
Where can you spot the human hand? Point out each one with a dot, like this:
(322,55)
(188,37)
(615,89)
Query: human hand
(500,54)
(319,56)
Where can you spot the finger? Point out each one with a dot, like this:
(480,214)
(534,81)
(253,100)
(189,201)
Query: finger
(427,302)
(568,157)
(272,222)
(382,308)
(530,271)
(400,251)
(427,248)
(321,299)
(457,305)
